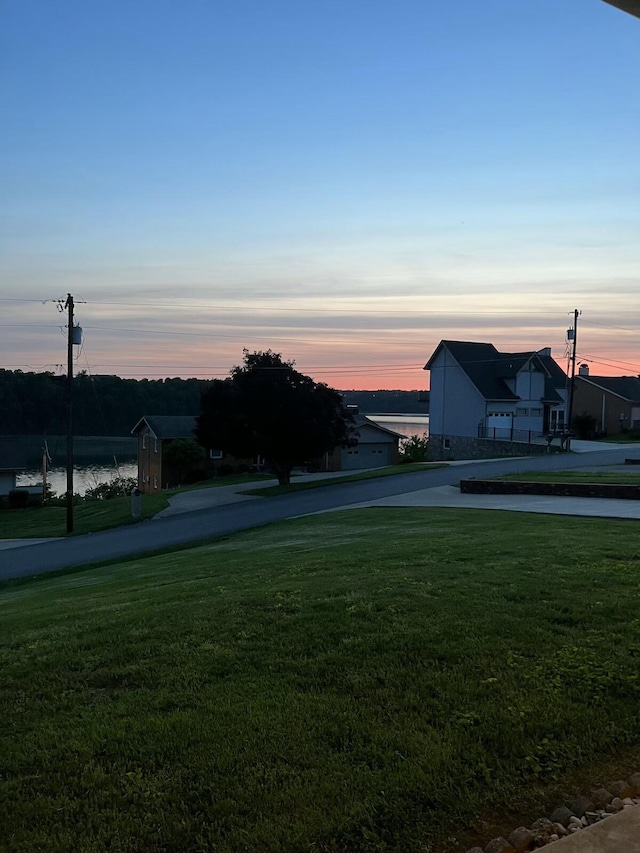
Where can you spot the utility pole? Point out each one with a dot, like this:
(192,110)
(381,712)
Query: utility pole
(69,306)
(572,334)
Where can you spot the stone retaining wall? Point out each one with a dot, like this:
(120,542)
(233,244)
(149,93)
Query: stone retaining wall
(576,490)
(463,447)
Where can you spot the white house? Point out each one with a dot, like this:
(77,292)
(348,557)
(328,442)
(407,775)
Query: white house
(479,394)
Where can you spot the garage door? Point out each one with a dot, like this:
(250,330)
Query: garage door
(365,456)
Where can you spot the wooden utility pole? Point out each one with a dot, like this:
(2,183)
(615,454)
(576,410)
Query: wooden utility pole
(572,380)
(69,306)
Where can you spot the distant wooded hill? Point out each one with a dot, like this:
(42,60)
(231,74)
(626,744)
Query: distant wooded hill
(411,402)
(34,403)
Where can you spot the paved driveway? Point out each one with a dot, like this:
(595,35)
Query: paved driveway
(188,527)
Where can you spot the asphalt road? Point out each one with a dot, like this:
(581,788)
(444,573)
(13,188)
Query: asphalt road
(191,527)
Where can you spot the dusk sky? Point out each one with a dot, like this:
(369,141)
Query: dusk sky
(346,183)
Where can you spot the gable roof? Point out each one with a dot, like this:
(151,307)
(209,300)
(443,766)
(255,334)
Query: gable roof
(489,369)
(363,421)
(167,426)
(12,457)
(627,387)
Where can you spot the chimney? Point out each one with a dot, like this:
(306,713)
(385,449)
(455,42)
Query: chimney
(583,370)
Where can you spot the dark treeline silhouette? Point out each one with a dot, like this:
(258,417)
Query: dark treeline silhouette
(35,403)
(407,402)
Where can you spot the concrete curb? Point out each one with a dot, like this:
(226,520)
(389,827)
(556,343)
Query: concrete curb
(619,833)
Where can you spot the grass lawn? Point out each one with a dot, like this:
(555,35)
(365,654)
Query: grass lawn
(372,680)
(376,474)
(88,516)
(92,516)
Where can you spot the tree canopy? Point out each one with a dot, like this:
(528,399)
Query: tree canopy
(34,403)
(267,408)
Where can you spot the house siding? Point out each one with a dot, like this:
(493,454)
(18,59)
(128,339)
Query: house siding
(7,482)
(149,462)
(465,407)
(612,413)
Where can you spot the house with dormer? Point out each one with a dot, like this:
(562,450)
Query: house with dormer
(480,395)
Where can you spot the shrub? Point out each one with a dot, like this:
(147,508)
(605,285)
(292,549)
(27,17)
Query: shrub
(18,499)
(113,489)
(415,448)
(584,426)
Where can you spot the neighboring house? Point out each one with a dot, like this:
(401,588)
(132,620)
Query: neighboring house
(612,401)
(155,433)
(377,446)
(12,461)
(479,394)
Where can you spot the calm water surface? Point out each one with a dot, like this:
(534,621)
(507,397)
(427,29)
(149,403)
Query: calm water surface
(406,425)
(84,476)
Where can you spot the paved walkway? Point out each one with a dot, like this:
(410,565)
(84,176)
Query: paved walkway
(451,496)
(619,833)
(223,495)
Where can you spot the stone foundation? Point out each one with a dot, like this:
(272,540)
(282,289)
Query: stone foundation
(464,447)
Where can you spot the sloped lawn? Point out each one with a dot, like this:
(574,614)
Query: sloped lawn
(369,680)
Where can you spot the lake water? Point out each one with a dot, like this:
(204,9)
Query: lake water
(84,476)
(406,425)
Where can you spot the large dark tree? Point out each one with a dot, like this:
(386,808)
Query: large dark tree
(267,408)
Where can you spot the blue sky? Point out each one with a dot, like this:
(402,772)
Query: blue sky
(344,182)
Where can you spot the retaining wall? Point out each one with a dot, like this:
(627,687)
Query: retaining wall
(464,447)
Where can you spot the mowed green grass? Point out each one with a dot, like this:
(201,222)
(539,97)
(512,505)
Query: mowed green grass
(369,680)
(374,474)
(88,517)
(91,516)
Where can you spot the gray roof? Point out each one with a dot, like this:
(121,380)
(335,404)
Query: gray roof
(168,426)
(489,369)
(627,387)
(12,457)
(363,420)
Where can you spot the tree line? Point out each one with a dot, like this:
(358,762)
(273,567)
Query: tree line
(35,403)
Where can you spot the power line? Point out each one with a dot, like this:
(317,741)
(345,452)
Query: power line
(312,309)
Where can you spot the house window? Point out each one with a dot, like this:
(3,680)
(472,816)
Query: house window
(155,445)
(522,413)
(446,444)
(144,476)
(215,454)
(155,481)
(144,440)
(536,413)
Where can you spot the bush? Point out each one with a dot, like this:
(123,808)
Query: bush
(415,449)
(113,489)
(228,469)
(584,426)
(18,499)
